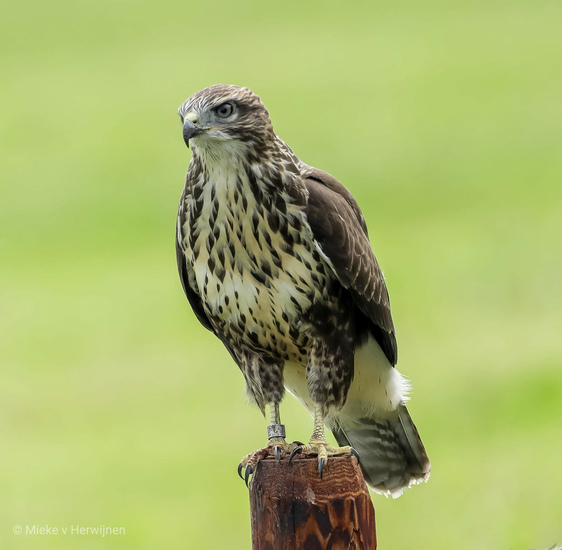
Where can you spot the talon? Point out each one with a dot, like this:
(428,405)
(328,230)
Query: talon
(299,443)
(294,452)
(247,474)
(321,462)
(276,448)
(354,453)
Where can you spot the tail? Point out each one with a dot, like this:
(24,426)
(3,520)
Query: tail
(391,453)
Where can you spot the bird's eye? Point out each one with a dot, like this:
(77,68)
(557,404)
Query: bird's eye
(225,110)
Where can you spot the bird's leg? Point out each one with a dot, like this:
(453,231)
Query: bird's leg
(276,431)
(276,445)
(318,444)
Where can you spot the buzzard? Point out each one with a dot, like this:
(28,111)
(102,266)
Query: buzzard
(275,260)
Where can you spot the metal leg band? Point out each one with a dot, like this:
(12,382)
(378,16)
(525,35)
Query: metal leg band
(276,430)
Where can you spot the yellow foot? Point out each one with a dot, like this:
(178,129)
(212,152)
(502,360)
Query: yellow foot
(323,450)
(276,447)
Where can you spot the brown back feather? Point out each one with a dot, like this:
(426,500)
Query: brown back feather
(339,227)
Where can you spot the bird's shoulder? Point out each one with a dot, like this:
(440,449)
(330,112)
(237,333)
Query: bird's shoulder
(326,188)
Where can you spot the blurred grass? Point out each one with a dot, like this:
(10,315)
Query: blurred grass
(443,119)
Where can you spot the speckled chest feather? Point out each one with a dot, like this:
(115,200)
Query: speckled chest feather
(253,258)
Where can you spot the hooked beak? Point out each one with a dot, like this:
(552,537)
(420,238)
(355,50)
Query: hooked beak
(190,131)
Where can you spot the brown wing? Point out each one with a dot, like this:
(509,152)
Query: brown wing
(340,229)
(194,298)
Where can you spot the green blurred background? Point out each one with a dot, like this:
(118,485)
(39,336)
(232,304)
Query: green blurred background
(445,121)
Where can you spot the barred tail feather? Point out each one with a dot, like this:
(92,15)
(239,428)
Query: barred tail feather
(391,454)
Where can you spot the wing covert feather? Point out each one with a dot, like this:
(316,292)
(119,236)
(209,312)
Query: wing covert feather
(340,229)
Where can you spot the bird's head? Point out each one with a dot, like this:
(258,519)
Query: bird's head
(226,117)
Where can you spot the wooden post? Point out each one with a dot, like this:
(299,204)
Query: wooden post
(293,509)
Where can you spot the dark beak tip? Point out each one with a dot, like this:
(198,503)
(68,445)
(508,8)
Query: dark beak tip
(189,131)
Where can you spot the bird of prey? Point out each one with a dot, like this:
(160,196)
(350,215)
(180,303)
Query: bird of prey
(275,260)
